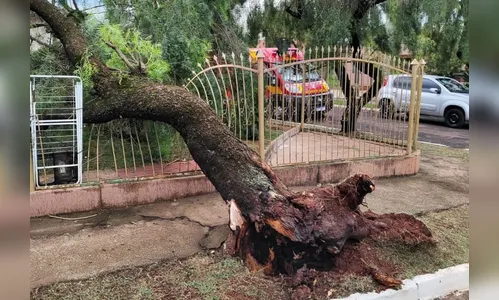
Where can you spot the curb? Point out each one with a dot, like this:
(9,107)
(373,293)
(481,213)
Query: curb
(423,287)
(442,145)
(363,108)
(280,140)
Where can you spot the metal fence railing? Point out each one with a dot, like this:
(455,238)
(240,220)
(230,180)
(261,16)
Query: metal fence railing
(303,108)
(132,149)
(330,104)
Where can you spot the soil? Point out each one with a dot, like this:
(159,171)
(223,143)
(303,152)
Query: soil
(356,260)
(402,228)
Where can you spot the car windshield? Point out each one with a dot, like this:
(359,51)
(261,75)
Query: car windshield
(295,74)
(453,85)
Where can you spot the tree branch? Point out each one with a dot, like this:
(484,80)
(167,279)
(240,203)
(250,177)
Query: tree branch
(300,9)
(66,30)
(142,68)
(76,5)
(122,56)
(295,14)
(351,113)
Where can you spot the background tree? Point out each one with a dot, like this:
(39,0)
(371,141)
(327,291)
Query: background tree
(435,30)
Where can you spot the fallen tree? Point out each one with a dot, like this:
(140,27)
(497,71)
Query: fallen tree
(273,228)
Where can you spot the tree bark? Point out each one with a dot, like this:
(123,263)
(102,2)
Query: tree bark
(273,228)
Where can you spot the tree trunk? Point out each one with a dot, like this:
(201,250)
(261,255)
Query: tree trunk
(354,105)
(273,228)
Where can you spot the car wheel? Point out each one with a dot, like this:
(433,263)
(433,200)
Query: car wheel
(385,109)
(454,118)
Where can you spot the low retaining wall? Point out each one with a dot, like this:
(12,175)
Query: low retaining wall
(280,140)
(106,195)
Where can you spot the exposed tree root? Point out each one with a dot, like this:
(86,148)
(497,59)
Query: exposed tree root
(323,220)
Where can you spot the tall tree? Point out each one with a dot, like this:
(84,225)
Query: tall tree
(322,22)
(436,30)
(273,228)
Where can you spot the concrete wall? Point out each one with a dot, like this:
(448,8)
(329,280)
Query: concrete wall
(106,195)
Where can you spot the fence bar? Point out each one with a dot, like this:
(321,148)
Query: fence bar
(31,176)
(412,113)
(261,117)
(302,115)
(422,63)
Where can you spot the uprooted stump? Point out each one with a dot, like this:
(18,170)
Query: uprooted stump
(309,230)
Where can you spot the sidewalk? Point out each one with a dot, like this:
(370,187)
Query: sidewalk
(64,250)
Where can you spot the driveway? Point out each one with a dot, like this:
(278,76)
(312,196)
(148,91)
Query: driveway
(429,131)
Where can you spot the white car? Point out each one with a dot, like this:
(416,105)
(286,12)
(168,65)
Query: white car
(442,98)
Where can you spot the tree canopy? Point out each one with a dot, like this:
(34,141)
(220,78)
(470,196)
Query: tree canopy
(435,30)
(181,34)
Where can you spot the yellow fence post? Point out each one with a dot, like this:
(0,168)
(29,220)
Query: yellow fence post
(302,115)
(419,87)
(412,104)
(261,117)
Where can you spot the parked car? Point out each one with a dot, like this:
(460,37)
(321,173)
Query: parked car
(441,97)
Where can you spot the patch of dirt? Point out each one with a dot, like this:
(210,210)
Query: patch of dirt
(449,167)
(353,265)
(401,228)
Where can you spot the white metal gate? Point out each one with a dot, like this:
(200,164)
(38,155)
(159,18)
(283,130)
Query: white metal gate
(56,117)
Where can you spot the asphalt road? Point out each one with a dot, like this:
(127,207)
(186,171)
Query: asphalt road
(429,131)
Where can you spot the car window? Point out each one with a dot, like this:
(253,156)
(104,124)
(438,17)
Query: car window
(295,73)
(402,82)
(429,84)
(453,86)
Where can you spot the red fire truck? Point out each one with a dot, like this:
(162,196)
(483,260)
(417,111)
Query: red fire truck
(285,87)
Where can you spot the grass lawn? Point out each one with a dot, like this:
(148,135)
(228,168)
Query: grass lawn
(270,135)
(440,151)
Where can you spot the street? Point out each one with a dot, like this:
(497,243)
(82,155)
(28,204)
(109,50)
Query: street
(429,131)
